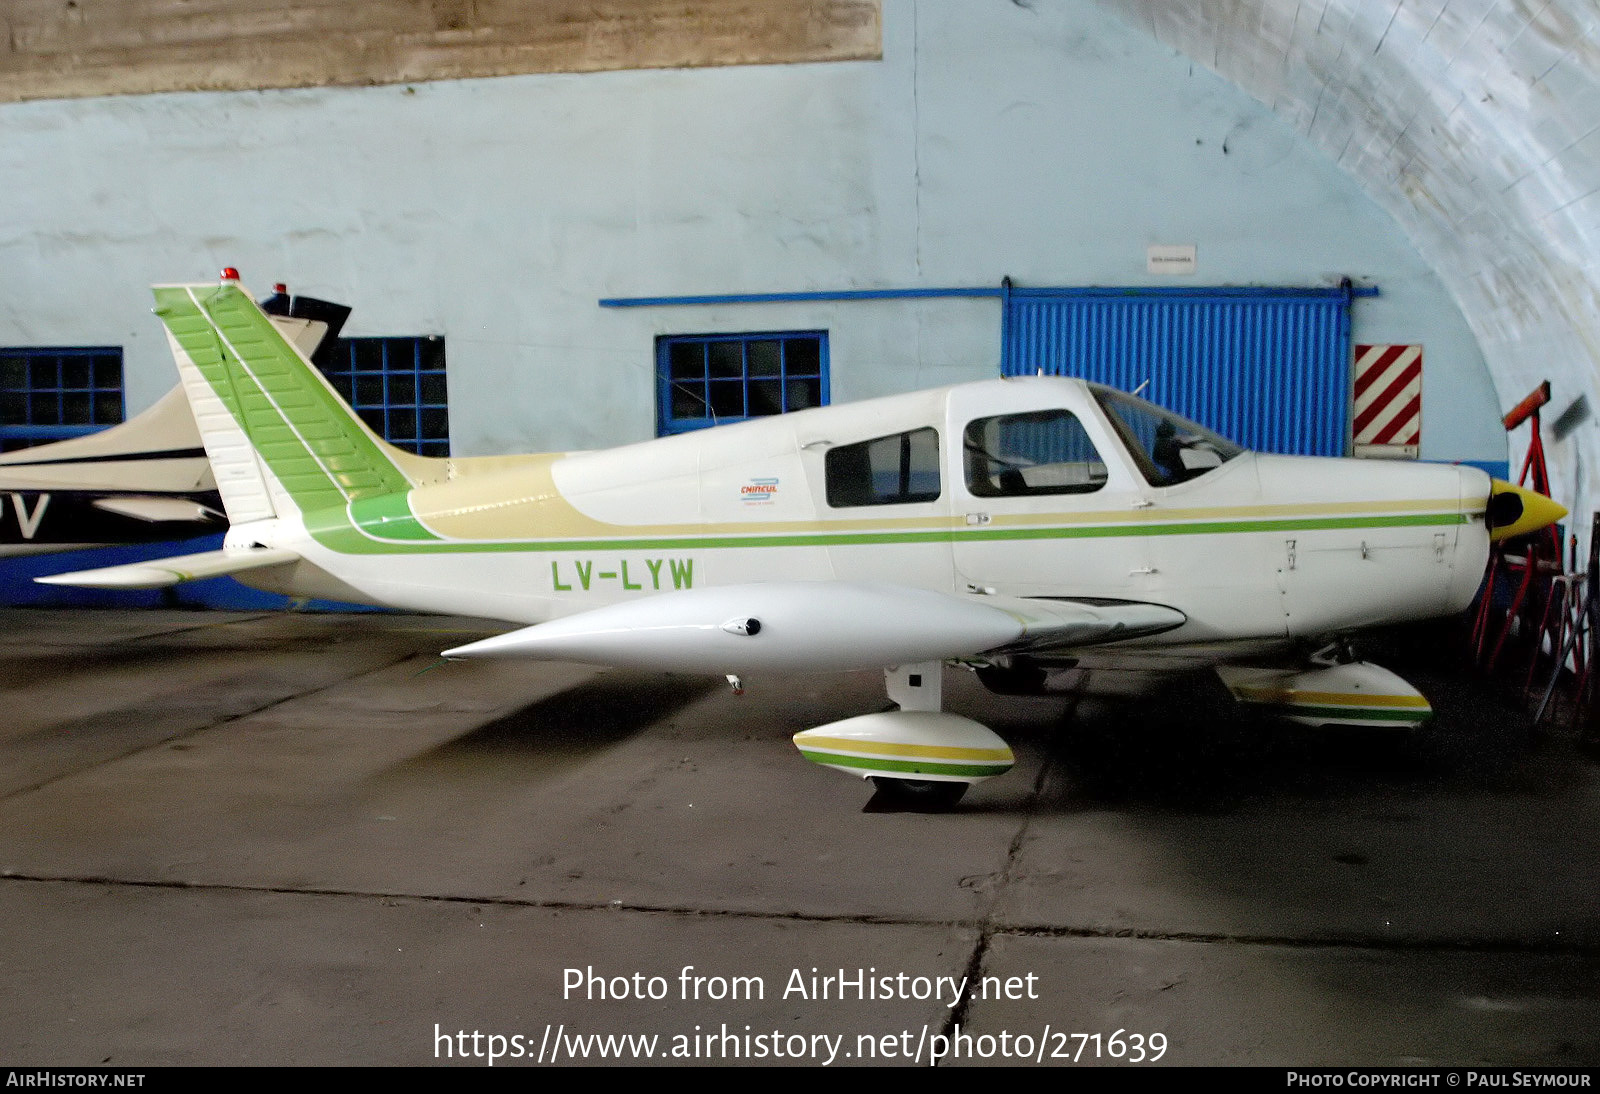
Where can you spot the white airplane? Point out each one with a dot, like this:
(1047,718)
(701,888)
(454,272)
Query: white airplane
(1015,526)
(143,481)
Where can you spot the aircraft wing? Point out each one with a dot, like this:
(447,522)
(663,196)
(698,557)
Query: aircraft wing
(818,626)
(161,572)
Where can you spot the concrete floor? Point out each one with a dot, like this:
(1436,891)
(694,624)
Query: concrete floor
(230,838)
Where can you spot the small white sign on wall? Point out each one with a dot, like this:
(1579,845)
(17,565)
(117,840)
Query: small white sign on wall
(1166,258)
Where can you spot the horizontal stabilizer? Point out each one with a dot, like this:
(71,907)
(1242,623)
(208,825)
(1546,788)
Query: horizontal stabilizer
(157,509)
(162,572)
(813,626)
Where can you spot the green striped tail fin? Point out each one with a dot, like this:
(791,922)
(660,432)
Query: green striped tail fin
(276,432)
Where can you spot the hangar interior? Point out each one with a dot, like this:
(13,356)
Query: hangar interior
(572,225)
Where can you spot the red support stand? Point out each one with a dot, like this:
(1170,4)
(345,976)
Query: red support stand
(1525,565)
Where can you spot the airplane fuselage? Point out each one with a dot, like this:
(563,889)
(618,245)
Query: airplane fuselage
(1036,487)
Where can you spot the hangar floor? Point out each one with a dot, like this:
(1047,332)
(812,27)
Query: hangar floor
(232,838)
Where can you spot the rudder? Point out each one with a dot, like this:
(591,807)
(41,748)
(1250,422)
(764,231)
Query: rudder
(277,434)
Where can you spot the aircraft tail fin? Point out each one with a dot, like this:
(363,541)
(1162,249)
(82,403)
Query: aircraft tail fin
(278,436)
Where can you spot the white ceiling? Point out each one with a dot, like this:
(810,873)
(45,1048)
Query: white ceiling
(1476,124)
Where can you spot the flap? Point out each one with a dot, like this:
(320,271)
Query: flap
(1050,623)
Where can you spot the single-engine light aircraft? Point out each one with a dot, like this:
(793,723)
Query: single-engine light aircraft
(1015,526)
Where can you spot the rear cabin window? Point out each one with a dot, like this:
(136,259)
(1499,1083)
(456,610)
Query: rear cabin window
(1041,452)
(892,470)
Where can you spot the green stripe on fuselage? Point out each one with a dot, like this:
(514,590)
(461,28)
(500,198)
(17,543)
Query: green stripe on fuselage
(332,530)
(389,516)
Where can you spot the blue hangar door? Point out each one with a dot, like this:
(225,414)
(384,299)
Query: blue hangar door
(1269,368)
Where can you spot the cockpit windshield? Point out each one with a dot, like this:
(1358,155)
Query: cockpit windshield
(1167,448)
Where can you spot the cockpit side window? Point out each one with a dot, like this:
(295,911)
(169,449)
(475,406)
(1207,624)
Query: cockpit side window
(894,470)
(1167,448)
(1040,452)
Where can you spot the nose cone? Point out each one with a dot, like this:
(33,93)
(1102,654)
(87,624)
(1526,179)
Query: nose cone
(1515,511)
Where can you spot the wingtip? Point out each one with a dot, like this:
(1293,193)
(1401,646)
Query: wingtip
(499,645)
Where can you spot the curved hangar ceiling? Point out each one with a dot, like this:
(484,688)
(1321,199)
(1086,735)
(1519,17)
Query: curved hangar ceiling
(1476,124)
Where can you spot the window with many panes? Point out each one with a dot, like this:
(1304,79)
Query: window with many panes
(397,386)
(53,393)
(711,379)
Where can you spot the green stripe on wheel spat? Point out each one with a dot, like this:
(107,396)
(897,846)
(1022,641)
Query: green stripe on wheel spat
(906,767)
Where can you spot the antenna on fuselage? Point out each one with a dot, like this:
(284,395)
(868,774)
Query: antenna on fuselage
(1141,387)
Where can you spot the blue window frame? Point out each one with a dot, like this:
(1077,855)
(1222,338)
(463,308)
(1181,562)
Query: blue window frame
(55,392)
(397,386)
(712,379)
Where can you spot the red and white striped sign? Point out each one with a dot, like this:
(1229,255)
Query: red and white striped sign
(1388,401)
